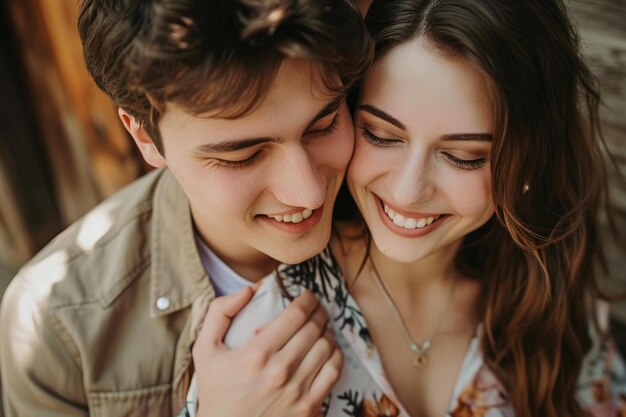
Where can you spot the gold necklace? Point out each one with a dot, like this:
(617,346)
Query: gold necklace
(419,349)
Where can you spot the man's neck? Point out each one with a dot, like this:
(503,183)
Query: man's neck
(252,272)
(250,265)
(248,262)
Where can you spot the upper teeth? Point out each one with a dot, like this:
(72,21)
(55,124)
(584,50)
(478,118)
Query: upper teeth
(407,222)
(292,218)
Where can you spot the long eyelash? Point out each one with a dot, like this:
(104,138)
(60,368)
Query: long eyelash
(465,164)
(328,130)
(375,140)
(238,164)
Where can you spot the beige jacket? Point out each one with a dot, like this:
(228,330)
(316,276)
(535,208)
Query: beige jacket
(102,321)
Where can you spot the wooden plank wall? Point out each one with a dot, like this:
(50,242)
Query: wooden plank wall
(89,153)
(602,25)
(88,150)
(15,242)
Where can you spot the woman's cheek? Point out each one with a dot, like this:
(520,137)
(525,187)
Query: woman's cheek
(470,190)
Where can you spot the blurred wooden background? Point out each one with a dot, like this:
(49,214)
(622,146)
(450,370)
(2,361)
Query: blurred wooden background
(63,149)
(602,25)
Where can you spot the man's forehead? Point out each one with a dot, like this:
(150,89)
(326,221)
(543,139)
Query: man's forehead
(294,79)
(303,81)
(304,78)
(292,115)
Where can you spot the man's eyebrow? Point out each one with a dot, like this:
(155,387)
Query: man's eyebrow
(481,137)
(239,144)
(234,145)
(382,115)
(330,108)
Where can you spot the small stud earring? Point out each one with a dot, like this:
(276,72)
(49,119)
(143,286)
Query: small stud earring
(525,188)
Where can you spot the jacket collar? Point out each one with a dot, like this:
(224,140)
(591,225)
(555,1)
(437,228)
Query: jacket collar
(177,274)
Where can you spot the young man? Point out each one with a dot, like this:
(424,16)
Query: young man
(240,103)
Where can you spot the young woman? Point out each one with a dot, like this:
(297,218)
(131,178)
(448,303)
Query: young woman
(466,286)
(478,172)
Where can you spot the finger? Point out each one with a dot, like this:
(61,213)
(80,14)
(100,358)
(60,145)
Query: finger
(221,313)
(286,324)
(316,357)
(326,378)
(298,347)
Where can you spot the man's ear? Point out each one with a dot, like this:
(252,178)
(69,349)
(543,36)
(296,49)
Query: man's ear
(149,152)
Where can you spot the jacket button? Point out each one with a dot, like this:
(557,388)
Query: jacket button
(163,303)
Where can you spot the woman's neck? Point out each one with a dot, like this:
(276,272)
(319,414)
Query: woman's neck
(418,280)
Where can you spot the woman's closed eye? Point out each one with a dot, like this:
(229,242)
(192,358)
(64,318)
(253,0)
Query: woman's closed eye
(468,164)
(376,140)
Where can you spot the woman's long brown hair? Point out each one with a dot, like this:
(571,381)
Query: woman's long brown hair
(537,256)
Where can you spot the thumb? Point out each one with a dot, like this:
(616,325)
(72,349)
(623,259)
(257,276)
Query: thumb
(220,315)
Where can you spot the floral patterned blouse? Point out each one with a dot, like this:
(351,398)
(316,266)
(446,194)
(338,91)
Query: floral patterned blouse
(364,391)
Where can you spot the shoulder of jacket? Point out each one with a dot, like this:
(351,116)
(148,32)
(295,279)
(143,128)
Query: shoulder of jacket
(101,253)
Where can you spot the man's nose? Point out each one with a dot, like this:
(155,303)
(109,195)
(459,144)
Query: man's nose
(299,181)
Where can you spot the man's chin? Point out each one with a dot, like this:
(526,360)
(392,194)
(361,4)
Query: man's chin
(293,256)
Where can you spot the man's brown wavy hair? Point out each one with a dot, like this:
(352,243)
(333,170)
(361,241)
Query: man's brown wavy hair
(218,56)
(537,256)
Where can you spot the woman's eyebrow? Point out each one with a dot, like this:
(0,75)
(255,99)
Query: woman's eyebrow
(382,115)
(481,137)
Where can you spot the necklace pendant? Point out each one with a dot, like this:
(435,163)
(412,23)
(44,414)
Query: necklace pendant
(421,360)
